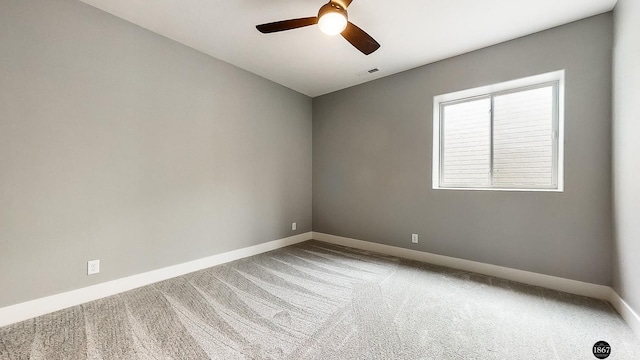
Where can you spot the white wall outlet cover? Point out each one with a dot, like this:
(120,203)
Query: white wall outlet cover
(414,238)
(93,267)
(294,226)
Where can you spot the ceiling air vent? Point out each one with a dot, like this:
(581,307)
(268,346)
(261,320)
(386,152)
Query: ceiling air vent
(370,71)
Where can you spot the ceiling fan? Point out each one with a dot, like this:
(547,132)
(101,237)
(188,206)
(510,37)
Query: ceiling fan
(332,20)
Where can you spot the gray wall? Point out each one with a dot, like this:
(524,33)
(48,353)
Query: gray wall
(372,153)
(626,151)
(120,145)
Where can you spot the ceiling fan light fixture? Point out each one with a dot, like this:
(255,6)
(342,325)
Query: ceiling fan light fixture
(332,19)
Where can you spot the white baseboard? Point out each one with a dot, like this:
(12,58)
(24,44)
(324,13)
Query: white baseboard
(30,309)
(546,281)
(628,314)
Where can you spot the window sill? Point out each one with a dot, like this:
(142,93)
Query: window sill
(499,189)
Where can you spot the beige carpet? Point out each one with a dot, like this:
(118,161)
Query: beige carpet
(320,301)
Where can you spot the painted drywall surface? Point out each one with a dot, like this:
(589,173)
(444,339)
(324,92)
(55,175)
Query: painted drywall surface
(372,150)
(626,151)
(120,145)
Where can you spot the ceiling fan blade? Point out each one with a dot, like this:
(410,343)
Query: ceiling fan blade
(286,25)
(360,39)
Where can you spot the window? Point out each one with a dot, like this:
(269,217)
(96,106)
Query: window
(505,136)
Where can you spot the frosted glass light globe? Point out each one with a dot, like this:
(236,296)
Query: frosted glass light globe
(332,23)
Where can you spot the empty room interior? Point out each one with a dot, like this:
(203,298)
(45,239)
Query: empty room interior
(426,179)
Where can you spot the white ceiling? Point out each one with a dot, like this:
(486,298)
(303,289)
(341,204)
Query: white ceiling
(411,33)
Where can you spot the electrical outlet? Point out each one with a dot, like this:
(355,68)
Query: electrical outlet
(294,226)
(414,238)
(93,267)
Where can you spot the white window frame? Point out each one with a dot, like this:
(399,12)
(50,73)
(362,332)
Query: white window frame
(555,78)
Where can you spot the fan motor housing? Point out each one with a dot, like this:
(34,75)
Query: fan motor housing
(332,7)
